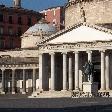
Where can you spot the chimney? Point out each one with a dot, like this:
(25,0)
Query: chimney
(17,3)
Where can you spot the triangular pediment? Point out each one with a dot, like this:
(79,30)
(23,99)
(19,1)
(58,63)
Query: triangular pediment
(83,33)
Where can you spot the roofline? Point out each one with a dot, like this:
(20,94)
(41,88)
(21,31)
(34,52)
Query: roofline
(3,7)
(72,3)
(74,27)
(51,8)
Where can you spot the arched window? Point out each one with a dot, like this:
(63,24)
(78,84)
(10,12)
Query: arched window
(54,22)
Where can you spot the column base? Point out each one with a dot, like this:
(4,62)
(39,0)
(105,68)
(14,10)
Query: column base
(23,92)
(76,90)
(108,89)
(13,92)
(51,90)
(2,93)
(70,90)
(40,90)
(63,90)
(102,89)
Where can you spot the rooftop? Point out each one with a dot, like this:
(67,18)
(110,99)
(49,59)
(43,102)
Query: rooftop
(21,10)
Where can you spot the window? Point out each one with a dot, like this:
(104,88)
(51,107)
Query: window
(11,43)
(1,44)
(10,19)
(1,17)
(45,15)
(0,75)
(1,30)
(10,31)
(19,20)
(54,12)
(54,22)
(29,22)
(19,31)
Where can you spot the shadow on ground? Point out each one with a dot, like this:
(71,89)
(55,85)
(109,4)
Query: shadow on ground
(97,108)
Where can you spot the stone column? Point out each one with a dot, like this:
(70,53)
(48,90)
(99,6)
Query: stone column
(52,71)
(34,80)
(76,70)
(13,81)
(40,71)
(107,71)
(24,82)
(64,71)
(102,70)
(3,81)
(70,74)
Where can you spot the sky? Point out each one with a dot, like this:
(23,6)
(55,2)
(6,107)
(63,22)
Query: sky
(36,5)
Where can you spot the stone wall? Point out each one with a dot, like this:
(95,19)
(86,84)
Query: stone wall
(30,41)
(20,53)
(96,12)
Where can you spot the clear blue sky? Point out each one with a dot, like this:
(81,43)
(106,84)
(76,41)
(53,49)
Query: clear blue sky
(36,4)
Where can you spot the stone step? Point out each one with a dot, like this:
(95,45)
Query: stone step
(51,94)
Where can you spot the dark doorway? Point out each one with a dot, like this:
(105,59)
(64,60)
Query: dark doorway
(97,77)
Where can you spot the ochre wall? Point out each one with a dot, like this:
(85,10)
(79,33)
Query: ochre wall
(95,12)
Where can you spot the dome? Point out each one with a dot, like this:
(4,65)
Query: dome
(43,26)
(36,33)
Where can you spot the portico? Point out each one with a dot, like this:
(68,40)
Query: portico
(73,70)
(14,77)
(73,56)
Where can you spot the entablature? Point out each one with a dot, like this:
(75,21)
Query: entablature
(19,66)
(80,46)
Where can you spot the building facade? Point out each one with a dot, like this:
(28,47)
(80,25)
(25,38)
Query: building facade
(55,16)
(92,11)
(20,66)
(14,21)
(54,65)
(66,53)
(50,63)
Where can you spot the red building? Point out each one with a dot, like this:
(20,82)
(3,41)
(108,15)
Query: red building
(55,16)
(14,21)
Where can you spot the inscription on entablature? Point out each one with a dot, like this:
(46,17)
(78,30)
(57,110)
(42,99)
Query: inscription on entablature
(76,45)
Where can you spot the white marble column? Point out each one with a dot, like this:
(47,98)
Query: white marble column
(13,81)
(3,81)
(76,70)
(70,74)
(40,71)
(34,80)
(107,71)
(102,70)
(24,82)
(52,71)
(64,71)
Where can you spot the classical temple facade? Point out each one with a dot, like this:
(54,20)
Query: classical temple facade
(52,63)
(63,55)
(55,62)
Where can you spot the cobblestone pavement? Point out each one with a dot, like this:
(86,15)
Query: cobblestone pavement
(23,104)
